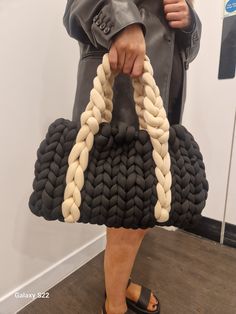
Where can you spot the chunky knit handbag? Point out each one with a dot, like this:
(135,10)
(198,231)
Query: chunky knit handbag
(115,175)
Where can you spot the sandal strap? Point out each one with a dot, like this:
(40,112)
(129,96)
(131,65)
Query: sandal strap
(144,297)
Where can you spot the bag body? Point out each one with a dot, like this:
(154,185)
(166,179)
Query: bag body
(107,172)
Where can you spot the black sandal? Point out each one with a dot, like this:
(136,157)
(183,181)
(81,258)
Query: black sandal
(140,306)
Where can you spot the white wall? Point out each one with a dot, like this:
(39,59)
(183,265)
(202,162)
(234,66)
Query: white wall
(38,63)
(209,110)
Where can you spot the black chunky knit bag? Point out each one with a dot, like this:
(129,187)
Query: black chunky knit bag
(114,174)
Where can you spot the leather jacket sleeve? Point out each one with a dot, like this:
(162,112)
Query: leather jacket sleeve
(189,39)
(96,22)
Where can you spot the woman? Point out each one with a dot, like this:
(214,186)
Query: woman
(168,31)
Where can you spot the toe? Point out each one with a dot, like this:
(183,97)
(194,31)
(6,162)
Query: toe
(133,292)
(152,307)
(153,303)
(154,299)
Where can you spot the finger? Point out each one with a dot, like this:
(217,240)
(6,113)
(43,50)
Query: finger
(175,16)
(173,8)
(138,66)
(170,1)
(177,24)
(121,60)
(113,58)
(129,62)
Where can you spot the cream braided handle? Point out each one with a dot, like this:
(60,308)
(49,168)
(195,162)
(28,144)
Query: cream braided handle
(152,117)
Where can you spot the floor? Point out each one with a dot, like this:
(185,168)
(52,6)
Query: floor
(190,274)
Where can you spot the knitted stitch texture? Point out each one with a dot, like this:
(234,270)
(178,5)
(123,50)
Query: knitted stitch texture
(116,175)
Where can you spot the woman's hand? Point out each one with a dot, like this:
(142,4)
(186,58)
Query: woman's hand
(127,52)
(177,13)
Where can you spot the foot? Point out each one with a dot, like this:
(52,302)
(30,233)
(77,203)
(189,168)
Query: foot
(133,292)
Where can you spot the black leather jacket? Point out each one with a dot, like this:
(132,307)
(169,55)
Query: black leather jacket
(94,23)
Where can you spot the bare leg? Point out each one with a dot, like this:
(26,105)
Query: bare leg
(121,249)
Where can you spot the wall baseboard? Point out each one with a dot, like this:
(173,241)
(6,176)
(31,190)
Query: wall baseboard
(211,228)
(51,276)
(230,235)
